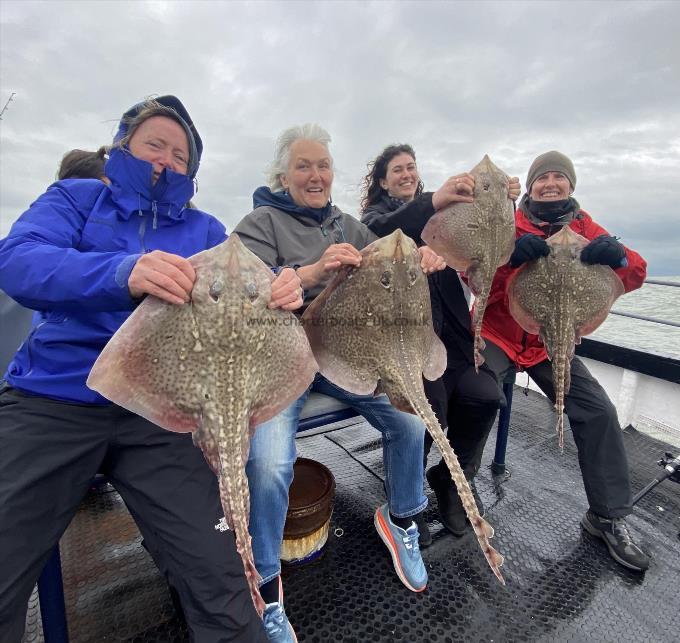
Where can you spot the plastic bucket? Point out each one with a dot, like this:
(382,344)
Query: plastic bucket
(310,505)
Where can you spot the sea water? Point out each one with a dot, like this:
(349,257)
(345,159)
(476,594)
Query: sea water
(659,302)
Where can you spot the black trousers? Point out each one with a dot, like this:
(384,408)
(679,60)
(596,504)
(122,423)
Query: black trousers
(595,427)
(49,453)
(465,403)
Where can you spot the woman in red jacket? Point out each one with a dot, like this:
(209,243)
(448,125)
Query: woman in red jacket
(547,206)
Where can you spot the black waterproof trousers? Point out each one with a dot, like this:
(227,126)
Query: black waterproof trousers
(465,403)
(49,453)
(595,427)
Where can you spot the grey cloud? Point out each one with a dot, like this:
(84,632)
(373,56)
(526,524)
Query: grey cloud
(599,81)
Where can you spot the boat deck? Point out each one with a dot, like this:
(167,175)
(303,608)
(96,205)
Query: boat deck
(561,583)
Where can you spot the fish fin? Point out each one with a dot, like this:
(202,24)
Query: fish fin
(476,278)
(400,402)
(355,379)
(129,371)
(616,290)
(485,527)
(205,442)
(441,234)
(435,362)
(495,560)
(352,379)
(294,374)
(522,317)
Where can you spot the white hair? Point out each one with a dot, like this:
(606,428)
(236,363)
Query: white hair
(308,131)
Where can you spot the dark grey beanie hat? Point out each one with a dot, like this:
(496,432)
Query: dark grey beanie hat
(552,161)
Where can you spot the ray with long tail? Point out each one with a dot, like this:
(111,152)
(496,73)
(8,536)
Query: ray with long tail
(371,331)
(218,366)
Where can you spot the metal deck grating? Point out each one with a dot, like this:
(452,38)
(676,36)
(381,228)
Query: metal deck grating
(561,583)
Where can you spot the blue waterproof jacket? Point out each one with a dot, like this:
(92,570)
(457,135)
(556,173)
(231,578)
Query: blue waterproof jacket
(69,257)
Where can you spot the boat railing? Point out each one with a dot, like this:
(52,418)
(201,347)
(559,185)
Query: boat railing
(655,320)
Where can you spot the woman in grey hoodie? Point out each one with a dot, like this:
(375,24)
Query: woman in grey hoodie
(294,223)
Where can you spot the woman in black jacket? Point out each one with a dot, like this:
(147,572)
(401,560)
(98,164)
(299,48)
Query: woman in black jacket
(465,402)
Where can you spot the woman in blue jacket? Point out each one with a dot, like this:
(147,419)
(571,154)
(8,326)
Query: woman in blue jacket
(83,255)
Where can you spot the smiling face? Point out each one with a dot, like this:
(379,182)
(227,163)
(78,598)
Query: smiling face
(401,178)
(310,174)
(551,186)
(162,142)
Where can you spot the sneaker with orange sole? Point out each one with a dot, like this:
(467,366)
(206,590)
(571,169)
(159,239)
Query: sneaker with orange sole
(404,549)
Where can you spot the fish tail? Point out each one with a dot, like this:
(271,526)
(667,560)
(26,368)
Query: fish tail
(483,530)
(559,368)
(477,318)
(234,487)
(495,561)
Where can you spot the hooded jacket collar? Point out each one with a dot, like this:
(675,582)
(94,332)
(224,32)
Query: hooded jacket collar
(263,196)
(133,189)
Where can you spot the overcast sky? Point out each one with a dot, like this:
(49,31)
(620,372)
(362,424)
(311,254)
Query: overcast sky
(598,81)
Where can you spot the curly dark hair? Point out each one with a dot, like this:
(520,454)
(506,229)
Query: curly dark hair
(79,164)
(371,192)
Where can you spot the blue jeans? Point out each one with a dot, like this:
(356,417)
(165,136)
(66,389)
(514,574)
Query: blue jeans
(272,455)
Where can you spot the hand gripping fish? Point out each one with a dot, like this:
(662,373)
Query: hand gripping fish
(561,299)
(476,238)
(218,366)
(371,331)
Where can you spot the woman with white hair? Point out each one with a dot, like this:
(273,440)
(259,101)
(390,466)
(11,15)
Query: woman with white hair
(294,223)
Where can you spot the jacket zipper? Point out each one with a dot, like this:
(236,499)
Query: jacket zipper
(142,229)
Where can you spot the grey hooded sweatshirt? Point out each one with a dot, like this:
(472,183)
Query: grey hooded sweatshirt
(282,238)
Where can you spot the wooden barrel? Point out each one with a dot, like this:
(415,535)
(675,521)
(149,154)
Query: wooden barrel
(310,505)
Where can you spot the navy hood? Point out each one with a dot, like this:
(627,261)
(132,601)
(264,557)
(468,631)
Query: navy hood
(177,111)
(263,196)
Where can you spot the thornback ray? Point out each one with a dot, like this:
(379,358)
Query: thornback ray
(476,238)
(371,330)
(561,299)
(218,366)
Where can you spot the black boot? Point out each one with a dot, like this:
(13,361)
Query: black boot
(424,535)
(451,511)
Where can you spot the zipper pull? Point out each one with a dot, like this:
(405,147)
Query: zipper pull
(154,209)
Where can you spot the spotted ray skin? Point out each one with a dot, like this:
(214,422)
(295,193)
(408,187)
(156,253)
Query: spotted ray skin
(476,238)
(371,329)
(217,366)
(561,299)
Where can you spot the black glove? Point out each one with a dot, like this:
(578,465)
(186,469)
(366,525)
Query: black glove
(527,248)
(604,250)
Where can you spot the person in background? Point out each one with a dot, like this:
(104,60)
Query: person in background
(76,164)
(464,401)
(80,164)
(295,223)
(547,206)
(85,254)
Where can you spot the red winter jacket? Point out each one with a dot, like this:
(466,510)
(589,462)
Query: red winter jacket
(499,326)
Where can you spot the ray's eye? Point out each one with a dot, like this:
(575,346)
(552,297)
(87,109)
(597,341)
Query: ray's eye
(386,279)
(216,288)
(251,291)
(412,276)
